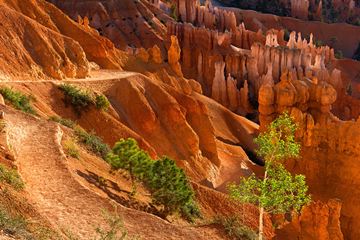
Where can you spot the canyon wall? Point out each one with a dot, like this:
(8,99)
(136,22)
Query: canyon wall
(330,11)
(317,221)
(247,71)
(124,22)
(229,63)
(41,42)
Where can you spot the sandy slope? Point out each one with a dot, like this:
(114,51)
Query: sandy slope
(60,198)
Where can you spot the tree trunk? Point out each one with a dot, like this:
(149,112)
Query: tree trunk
(261,223)
(261,214)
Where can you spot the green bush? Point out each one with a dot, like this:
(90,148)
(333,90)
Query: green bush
(318,43)
(167,183)
(235,229)
(18,99)
(102,102)
(80,99)
(63,121)
(93,142)
(11,177)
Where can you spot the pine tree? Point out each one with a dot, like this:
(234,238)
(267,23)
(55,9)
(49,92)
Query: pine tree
(167,183)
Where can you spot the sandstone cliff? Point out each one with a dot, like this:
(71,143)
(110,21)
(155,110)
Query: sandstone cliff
(41,42)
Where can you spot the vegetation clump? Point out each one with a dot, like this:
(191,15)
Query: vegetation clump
(93,143)
(63,121)
(235,229)
(11,177)
(18,99)
(82,99)
(71,149)
(115,229)
(278,191)
(167,183)
(102,102)
(13,226)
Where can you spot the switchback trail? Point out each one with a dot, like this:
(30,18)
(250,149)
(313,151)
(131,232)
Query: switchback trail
(59,197)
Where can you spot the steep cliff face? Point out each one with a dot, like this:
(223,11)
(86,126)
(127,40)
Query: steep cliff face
(317,221)
(334,35)
(124,22)
(41,42)
(336,11)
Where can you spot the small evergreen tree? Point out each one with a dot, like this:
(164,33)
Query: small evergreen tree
(127,155)
(171,188)
(167,183)
(278,191)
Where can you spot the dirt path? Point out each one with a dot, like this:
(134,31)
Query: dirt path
(95,76)
(65,202)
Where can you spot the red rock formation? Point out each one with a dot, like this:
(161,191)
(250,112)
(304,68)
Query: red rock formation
(124,22)
(66,47)
(329,143)
(316,221)
(174,56)
(155,54)
(300,9)
(204,50)
(326,32)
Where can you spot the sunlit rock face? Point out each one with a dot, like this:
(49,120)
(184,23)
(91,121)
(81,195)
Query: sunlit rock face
(125,22)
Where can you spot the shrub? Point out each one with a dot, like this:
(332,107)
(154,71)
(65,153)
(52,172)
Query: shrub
(235,229)
(63,121)
(102,102)
(79,98)
(14,226)
(93,142)
(167,183)
(339,54)
(71,149)
(18,100)
(115,229)
(173,13)
(11,177)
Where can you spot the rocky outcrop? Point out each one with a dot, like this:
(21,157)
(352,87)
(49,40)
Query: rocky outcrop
(66,46)
(38,51)
(248,56)
(328,143)
(155,54)
(299,98)
(174,56)
(124,22)
(317,221)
